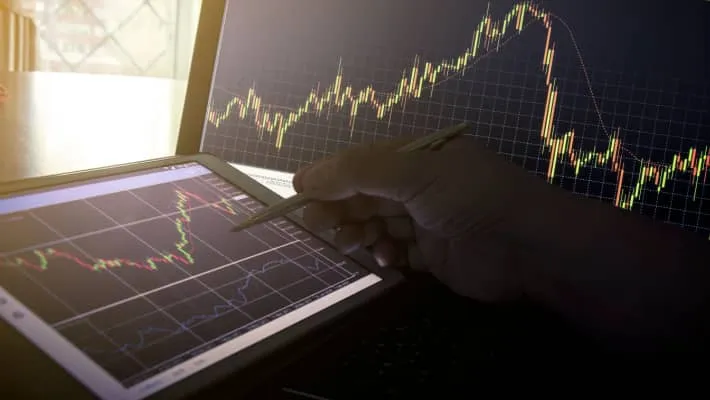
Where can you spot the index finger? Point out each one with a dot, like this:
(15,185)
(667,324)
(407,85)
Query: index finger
(375,170)
(391,144)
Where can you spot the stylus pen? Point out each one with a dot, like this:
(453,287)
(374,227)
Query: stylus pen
(293,203)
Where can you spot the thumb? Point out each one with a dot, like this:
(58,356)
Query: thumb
(375,170)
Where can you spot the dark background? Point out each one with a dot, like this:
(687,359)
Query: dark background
(646,64)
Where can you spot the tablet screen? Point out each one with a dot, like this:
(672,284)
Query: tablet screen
(134,282)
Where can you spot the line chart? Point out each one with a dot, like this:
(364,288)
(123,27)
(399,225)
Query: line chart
(421,79)
(239,299)
(165,283)
(181,254)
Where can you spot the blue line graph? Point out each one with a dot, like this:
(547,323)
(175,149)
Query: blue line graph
(219,310)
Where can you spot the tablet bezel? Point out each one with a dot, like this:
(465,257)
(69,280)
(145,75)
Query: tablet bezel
(236,363)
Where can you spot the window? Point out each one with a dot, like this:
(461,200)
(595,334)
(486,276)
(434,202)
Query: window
(132,37)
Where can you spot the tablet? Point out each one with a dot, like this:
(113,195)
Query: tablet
(129,279)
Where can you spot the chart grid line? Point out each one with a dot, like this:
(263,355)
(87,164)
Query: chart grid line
(149,292)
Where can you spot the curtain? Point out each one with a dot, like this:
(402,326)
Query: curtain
(18,38)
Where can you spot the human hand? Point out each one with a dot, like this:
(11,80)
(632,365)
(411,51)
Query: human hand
(452,212)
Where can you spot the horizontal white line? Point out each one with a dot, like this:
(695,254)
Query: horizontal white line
(102,230)
(126,300)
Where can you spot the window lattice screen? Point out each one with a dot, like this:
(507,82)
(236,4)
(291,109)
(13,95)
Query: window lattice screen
(129,37)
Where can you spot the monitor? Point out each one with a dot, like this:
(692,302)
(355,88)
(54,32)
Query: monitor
(602,97)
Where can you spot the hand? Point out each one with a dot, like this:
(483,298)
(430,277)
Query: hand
(452,212)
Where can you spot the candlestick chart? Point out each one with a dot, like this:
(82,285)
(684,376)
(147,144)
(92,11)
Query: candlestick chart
(564,149)
(142,280)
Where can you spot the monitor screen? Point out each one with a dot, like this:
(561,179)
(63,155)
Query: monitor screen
(605,98)
(135,282)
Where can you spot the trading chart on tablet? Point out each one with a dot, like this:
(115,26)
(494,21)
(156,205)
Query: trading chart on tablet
(606,98)
(140,276)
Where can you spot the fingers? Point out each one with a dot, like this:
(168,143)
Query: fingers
(324,215)
(391,241)
(400,228)
(321,216)
(376,170)
(388,252)
(390,145)
(297,180)
(353,237)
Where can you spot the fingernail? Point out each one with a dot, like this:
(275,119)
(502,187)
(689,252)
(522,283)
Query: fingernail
(349,249)
(381,261)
